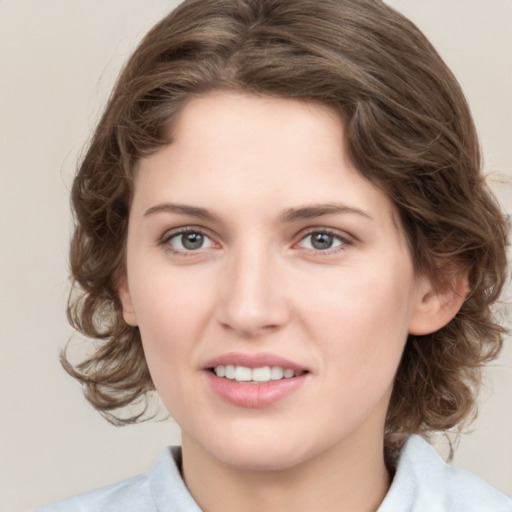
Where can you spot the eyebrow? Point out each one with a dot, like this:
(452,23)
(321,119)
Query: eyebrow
(183,209)
(318,210)
(290,215)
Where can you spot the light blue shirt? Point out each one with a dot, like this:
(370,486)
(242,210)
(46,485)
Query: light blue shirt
(422,483)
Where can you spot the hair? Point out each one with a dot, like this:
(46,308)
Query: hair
(408,130)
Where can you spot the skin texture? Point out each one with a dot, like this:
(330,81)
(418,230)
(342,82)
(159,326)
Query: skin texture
(257,285)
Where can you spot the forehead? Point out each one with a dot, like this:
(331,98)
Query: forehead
(240,152)
(253,129)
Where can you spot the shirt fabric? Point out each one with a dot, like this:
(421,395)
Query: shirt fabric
(422,483)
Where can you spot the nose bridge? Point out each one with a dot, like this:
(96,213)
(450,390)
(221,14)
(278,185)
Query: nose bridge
(253,301)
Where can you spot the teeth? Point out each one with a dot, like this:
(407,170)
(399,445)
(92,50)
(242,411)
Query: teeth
(230,371)
(220,371)
(276,373)
(262,374)
(243,374)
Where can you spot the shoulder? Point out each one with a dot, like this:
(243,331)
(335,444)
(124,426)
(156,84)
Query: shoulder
(425,483)
(128,495)
(151,492)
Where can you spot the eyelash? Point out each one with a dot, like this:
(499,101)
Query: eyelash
(344,241)
(165,241)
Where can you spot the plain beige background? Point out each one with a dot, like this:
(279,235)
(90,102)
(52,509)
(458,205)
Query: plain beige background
(58,60)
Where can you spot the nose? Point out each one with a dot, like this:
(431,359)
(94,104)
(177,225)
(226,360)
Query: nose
(252,301)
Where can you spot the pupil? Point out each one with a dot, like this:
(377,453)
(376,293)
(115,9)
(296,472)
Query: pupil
(322,241)
(192,240)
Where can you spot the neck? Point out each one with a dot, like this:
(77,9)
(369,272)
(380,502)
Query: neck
(351,478)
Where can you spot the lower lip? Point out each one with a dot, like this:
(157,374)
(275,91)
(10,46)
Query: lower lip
(254,395)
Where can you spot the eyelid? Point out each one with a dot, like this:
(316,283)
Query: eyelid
(343,236)
(174,232)
(346,239)
(169,233)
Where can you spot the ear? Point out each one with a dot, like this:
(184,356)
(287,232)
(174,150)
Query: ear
(126,301)
(436,306)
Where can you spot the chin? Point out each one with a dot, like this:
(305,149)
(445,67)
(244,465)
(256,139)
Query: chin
(261,453)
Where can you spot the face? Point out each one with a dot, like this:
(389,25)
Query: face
(272,286)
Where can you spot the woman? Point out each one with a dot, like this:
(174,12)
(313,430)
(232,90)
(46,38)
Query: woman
(281,226)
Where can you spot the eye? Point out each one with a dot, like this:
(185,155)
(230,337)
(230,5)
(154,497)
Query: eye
(322,241)
(187,241)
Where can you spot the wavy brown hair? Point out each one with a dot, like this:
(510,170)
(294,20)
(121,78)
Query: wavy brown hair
(408,130)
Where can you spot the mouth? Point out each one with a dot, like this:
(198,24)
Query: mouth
(258,375)
(254,380)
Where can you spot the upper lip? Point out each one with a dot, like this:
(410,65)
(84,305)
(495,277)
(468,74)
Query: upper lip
(253,361)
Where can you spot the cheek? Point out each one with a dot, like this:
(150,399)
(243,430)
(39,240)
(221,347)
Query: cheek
(363,325)
(170,315)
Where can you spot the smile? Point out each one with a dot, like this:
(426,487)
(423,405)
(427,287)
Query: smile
(254,380)
(254,375)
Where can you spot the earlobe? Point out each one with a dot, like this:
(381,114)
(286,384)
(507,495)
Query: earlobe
(126,301)
(435,308)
